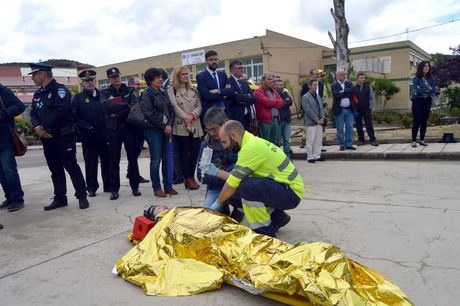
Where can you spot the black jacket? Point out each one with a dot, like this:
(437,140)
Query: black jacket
(238,99)
(116,112)
(12,107)
(157,108)
(285,112)
(89,116)
(51,108)
(338,94)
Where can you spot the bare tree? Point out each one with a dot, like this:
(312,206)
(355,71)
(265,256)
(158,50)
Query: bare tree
(341,51)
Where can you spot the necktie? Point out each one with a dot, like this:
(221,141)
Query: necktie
(239,85)
(215,79)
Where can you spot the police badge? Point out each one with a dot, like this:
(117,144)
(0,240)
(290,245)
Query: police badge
(61,93)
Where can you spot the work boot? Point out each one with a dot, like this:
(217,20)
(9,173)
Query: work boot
(16,206)
(55,204)
(5,204)
(279,219)
(83,203)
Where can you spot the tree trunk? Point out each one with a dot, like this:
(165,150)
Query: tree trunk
(341,51)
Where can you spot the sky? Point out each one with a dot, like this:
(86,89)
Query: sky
(102,32)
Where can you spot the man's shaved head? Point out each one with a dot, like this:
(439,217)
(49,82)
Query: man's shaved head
(231,135)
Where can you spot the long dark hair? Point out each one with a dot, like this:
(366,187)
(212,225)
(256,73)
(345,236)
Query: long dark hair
(420,66)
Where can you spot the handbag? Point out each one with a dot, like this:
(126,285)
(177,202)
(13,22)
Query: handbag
(136,117)
(18,138)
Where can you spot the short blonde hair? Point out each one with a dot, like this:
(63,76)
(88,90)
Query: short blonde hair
(176,77)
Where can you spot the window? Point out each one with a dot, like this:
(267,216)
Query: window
(103,84)
(373,64)
(253,67)
(125,79)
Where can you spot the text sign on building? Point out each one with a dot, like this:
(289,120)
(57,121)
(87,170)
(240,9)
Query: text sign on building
(193,57)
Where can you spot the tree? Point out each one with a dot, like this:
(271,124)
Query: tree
(384,90)
(341,51)
(447,69)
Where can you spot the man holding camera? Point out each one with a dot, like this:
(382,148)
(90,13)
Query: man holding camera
(314,120)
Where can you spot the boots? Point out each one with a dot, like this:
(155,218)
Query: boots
(190,184)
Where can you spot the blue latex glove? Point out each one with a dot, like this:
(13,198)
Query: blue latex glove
(210,169)
(216,205)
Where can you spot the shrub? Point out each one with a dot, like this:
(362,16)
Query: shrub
(454,112)
(406,119)
(26,126)
(434,119)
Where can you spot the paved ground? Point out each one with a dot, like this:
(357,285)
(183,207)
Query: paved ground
(398,217)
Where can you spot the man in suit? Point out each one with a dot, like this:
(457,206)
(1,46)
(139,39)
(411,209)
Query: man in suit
(314,119)
(315,74)
(240,98)
(365,103)
(212,84)
(343,110)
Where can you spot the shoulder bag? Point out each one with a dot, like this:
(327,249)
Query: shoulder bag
(18,137)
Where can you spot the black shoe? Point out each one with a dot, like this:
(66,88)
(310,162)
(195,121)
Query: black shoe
(374,143)
(342,148)
(283,222)
(311,161)
(179,180)
(237,215)
(83,203)
(114,195)
(361,143)
(323,150)
(16,206)
(136,193)
(320,159)
(143,180)
(351,148)
(5,204)
(1,226)
(302,146)
(91,194)
(55,204)
(424,144)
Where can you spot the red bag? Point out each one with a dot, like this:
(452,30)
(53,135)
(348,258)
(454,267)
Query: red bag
(355,98)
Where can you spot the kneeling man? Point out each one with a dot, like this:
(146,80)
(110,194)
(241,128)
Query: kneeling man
(263,177)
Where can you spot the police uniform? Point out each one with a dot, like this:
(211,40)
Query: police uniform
(267,183)
(116,102)
(51,109)
(90,120)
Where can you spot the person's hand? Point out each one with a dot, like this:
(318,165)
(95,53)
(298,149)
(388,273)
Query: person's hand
(214,91)
(189,118)
(168,130)
(47,135)
(210,169)
(320,121)
(216,205)
(39,131)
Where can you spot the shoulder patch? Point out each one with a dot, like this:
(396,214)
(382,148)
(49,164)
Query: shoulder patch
(61,93)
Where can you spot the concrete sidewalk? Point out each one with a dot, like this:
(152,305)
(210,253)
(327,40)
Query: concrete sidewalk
(399,218)
(439,151)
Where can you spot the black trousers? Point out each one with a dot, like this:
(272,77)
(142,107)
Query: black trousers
(60,154)
(138,136)
(365,114)
(123,135)
(92,152)
(189,147)
(421,108)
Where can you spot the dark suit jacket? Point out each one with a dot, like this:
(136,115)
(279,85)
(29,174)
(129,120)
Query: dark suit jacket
(238,99)
(205,84)
(338,95)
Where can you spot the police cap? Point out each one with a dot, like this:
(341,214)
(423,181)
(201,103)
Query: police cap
(87,75)
(39,67)
(112,72)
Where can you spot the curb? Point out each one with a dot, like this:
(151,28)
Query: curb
(383,156)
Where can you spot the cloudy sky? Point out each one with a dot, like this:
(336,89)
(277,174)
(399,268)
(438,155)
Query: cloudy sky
(102,32)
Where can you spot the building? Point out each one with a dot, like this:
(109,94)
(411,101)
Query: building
(20,82)
(290,58)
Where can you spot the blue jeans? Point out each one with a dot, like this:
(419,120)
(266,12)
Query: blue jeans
(158,146)
(211,196)
(286,136)
(345,118)
(9,176)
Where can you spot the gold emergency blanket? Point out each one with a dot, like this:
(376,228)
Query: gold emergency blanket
(192,250)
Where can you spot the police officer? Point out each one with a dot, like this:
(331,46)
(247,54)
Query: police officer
(53,122)
(116,101)
(90,119)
